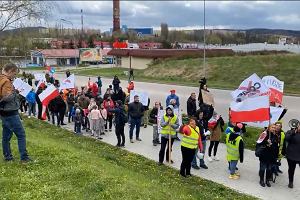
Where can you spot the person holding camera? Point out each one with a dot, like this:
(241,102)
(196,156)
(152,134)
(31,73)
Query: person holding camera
(292,152)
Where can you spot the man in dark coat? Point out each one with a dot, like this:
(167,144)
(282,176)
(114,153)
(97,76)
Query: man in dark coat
(191,105)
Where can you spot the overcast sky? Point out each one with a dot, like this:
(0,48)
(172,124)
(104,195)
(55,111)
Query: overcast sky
(219,14)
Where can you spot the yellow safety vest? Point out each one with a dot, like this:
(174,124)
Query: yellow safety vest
(191,141)
(282,137)
(233,148)
(168,129)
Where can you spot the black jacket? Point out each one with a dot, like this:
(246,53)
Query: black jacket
(136,110)
(270,152)
(292,140)
(119,111)
(191,107)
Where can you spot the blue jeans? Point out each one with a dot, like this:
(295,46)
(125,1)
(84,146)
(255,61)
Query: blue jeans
(232,166)
(135,122)
(31,109)
(77,127)
(194,162)
(12,124)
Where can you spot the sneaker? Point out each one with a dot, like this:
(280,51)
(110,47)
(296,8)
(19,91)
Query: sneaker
(290,185)
(234,177)
(204,166)
(209,159)
(131,141)
(195,167)
(63,124)
(145,126)
(262,183)
(26,160)
(237,174)
(138,139)
(109,130)
(105,130)
(29,117)
(154,144)
(8,159)
(268,183)
(215,158)
(122,145)
(99,138)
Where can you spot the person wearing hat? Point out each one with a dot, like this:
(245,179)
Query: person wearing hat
(120,121)
(235,150)
(169,124)
(172,96)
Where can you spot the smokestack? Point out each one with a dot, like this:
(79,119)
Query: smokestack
(116,15)
(81,21)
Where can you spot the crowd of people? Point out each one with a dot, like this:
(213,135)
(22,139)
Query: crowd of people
(96,112)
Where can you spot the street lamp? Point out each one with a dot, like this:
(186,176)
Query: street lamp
(69,22)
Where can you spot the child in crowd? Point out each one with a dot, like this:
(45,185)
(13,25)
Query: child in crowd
(103,118)
(77,121)
(95,119)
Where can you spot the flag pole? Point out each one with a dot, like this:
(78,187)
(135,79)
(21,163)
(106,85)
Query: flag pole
(169,140)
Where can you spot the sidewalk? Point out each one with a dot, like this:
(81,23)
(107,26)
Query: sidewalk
(217,170)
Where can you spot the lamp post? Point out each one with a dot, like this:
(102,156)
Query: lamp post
(69,22)
(204,40)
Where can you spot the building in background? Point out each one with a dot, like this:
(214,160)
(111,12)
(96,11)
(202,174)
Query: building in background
(55,57)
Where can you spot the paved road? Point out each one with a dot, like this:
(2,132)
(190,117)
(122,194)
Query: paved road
(217,170)
(159,92)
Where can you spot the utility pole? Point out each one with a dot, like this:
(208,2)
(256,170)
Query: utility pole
(81,22)
(204,41)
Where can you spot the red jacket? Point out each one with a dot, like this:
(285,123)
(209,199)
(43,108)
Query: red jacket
(107,107)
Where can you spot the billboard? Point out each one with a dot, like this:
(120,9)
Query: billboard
(90,54)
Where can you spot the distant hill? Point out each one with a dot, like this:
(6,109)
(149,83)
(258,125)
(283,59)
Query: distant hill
(284,32)
(24,29)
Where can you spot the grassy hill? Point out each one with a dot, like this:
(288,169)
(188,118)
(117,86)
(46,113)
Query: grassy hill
(73,167)
(222,72)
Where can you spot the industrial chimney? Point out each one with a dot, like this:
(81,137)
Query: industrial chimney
(116,15)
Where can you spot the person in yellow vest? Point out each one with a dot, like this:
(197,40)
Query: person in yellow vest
(281,136)
(235,150)
(191,140)
(169,124)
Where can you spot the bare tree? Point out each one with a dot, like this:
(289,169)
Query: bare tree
(14,12)
(164,29)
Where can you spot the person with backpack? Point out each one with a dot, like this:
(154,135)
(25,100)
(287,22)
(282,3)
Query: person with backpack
(11,122)
(120,120)
(267,151)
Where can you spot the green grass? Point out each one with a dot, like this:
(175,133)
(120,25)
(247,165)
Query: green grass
(76,167)
(222,72)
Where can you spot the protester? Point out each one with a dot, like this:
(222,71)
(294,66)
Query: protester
(202,123)
(23,103)
(131,75)
(235,150)
(281,137)
(9,106)
(120,121)
(215,125)
(95,119)
(70,102)
(191,105)
(292,152)
(99,84)
(130,86)
(68,73)
(108,105)
(146,114)
(169,124)
(39,103)
(190,142)
(78,120)
(116,83)
(172,96)
(103,118)
(153,119)
(135,112)
(31,99)
(267,151)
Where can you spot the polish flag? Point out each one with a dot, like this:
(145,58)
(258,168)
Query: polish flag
(68,83)
(276,88)
(250,110)
(46,96)
(41,83)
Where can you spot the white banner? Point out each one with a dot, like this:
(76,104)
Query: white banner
(22,87)
(68,83)
(160,115)
(275,114)
(276,88)
(40,77)
(143,96)
(250,87)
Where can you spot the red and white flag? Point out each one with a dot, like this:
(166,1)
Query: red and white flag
(68,83)
(251,87)
(46,96)
(276,88)
(41,83)
(250,110)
